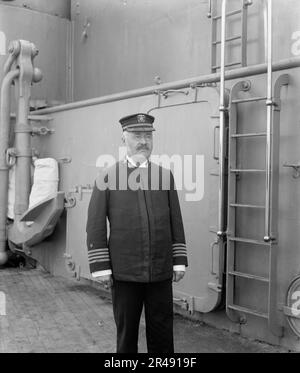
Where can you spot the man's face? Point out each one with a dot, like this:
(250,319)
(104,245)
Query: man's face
(139,144)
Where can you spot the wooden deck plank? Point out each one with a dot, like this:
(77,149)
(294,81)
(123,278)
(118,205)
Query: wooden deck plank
(55,314)
(93,316)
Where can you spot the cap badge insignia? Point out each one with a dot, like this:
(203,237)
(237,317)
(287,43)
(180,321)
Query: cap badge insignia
(141,118)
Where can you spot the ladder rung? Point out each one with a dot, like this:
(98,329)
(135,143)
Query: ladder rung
(245,170)
(249,99)
(247,206)
(227,40)
(228,65)
(253,134)
(248,310)
(250,277)
(248,240)
(229,14)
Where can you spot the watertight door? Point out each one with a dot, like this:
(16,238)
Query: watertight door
(185,132)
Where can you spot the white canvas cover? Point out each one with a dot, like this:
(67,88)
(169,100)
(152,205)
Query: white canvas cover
(45,180)
(45,183)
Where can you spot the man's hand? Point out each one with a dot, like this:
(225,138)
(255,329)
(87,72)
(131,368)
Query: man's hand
(178,275)
(106,280)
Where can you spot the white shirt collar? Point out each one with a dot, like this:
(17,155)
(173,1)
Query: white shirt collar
(133,163)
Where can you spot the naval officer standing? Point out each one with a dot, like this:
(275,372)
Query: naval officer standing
(146,246)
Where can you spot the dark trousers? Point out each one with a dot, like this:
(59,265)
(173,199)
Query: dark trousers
(128,301)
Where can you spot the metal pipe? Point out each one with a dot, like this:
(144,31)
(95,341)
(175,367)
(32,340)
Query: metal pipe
(8,64)
(23,147)
(4,144)
(265,29)
(209,9)
(288,63)
(269,104)
(28,75)
(222,109)
(13,50)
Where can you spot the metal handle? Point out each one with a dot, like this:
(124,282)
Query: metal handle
(269,103)
(222,109)
(216,157)
(212,245)
(296,168)
(167,93)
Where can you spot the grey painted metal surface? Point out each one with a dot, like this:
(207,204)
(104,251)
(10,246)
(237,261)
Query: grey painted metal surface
(49,34)
(60,8)
(131,42)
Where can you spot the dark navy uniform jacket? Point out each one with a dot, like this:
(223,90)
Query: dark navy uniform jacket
(140,209)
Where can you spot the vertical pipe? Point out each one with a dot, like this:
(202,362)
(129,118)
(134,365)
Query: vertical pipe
(244,33)
(209,9)
(4,144)
(269,104)
(222,126)
(265,29)
(23,146)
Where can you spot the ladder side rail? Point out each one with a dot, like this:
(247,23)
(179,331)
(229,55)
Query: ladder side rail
(269,104)
(222,110)
(273,306)
(213,46)
(244,27)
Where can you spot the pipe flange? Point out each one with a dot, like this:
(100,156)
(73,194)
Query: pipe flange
(23,128)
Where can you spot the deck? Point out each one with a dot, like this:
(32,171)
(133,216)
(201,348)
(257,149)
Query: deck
(54,314)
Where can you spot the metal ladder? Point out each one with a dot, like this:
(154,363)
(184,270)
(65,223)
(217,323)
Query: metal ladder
(243,36)
(268,242)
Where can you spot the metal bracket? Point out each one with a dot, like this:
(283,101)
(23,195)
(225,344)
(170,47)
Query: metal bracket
(296,169)
(42,131)
(185,303)
(11,155)
(203,85)
(215,287)
(212,245)
(167,93)
(64,160)
(80,189)
(86,27)
(71,266)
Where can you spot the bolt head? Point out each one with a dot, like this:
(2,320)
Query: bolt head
(34,50)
